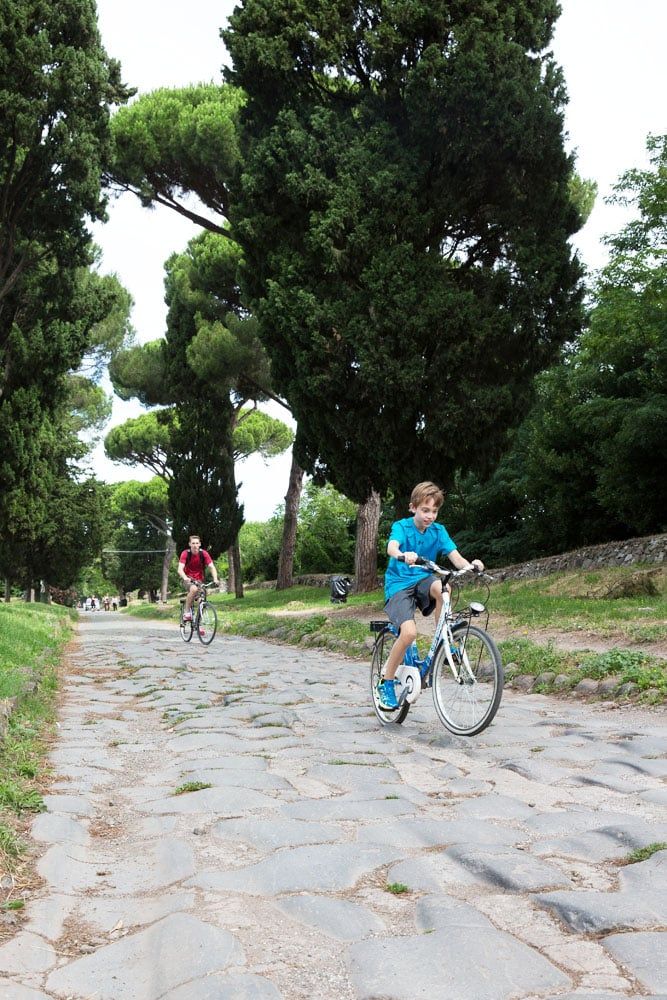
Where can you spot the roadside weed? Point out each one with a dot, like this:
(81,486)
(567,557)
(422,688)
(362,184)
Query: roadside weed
(191,786)
(644,853)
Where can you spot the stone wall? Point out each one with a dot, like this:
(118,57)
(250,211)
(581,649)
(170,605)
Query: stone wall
(652,550)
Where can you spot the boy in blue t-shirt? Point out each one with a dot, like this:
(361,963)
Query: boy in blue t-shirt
(406,586)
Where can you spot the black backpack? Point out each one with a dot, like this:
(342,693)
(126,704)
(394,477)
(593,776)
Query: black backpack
(340,588)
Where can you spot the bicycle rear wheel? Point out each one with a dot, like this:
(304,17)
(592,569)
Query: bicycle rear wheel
(381,651)
(467,704)
(207,623)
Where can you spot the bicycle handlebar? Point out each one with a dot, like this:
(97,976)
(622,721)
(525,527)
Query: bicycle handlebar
(446,574)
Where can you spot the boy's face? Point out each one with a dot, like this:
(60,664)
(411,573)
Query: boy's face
(195,545)
(425,513)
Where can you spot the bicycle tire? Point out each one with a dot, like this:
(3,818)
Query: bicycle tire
(468,706)
(381,651)
(186,629)
(207,623)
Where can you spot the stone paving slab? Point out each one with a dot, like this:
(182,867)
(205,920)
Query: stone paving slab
(13,991)
(602,996)
(226,988)
(321,868)
(54,828)
(513,870)
(487,965)
(338,918)
(314,810)
(435,833)
(604,844)
(214,801)
(324,810)
(26,953)
(639,903)
(644,954)
(72,869)
(272,834)
(188,949)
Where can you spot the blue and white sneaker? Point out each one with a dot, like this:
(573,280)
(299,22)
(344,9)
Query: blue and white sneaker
(387,695)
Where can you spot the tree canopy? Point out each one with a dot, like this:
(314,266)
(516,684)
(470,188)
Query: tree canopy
(404,210)
(589,463)
(57,84)
(172,143)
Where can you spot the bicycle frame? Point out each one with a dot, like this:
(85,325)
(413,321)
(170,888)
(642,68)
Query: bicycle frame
(443,631)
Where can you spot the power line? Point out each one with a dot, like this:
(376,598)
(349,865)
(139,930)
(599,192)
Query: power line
(136,551)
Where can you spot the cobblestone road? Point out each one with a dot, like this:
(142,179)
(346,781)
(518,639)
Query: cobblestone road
(272,880)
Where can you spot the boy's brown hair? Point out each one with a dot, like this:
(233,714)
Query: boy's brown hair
(426,491)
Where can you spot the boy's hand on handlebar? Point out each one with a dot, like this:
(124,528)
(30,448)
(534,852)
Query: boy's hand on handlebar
(477,565)
(409,558)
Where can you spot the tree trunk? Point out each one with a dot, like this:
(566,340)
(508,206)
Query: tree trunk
(166,562)
(235,552)
(366,548)
(8,589)
(231,575)
(292,498)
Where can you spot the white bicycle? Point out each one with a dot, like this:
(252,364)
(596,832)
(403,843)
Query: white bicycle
(463,665)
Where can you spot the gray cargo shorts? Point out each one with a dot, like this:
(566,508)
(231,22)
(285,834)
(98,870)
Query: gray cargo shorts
(401,606)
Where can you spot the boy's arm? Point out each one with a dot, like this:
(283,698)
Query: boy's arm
(459,562)
(394,550)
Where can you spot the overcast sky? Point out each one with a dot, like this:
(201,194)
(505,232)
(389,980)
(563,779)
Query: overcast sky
(612,54)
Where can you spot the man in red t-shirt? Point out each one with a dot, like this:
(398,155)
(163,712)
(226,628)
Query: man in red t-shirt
(192,570)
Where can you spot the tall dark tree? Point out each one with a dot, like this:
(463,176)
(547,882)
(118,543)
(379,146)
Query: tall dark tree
(57,85)
(169,145)
(404,211)
(151,440)
(45,406)
(589,463)
(209,367)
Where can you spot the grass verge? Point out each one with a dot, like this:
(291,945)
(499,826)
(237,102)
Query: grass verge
(558,670)
(32,638)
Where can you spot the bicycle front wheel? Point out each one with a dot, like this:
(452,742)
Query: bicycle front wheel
(207,623)
(466,703)
(381,651)
(186,629)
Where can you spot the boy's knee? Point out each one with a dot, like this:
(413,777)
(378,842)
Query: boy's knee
(409,631)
